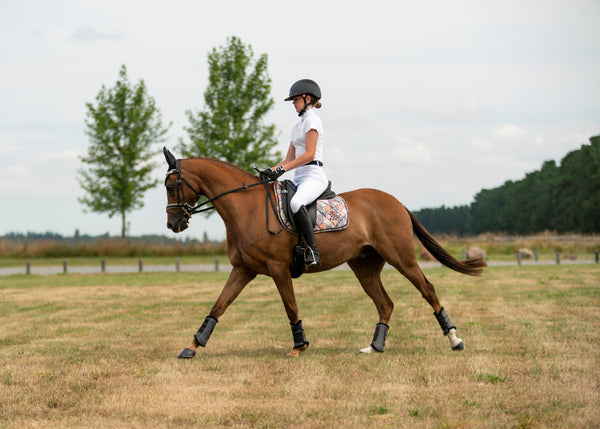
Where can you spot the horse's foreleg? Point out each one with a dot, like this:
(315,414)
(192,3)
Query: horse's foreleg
(285,287)
(367,269)
(237,280)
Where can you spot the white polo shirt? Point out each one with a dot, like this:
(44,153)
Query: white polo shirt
(309,121)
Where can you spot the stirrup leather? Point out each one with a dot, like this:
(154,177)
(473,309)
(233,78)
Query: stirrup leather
(313,257)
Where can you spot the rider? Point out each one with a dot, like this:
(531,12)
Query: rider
(305,156)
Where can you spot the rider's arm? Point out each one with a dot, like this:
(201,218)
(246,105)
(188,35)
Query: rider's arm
(308,156)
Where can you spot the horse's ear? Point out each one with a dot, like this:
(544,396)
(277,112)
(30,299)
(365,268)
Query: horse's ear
(170,158)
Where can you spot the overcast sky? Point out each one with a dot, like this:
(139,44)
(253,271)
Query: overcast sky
(431,101)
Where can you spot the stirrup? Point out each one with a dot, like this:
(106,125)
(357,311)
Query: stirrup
(313,258)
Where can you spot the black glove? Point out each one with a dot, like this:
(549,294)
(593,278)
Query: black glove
(269,175)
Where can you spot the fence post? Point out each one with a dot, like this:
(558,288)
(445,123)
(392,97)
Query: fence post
(216,265)
(557,258)
(102,266)
(64,267)
(27,267)
(177,264)
(464,253)
(537,254)
(519,258)
(140,265)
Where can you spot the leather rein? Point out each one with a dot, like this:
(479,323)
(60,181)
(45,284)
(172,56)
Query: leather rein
(203,206)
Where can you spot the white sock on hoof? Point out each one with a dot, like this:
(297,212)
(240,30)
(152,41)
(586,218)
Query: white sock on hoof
(367,350)
(454,340)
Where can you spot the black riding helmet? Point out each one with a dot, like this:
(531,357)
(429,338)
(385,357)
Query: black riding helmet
(304,86)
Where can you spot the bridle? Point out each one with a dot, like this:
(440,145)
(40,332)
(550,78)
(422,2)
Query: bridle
(203,206)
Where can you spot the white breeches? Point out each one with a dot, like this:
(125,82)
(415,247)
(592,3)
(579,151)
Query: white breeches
(310,185)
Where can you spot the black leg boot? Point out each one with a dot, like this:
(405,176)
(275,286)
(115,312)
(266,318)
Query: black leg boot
(304,225)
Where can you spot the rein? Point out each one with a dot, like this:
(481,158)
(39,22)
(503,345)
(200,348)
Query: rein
(189,210)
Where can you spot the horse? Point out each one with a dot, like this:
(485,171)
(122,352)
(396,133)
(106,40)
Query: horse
(380,230)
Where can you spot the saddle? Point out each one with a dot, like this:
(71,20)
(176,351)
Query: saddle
(327,213)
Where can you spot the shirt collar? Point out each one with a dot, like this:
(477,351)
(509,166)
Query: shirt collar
(307,113)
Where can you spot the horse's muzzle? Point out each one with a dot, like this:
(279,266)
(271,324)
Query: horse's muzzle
(177,222)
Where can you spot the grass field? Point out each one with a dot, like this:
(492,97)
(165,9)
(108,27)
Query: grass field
(99,351)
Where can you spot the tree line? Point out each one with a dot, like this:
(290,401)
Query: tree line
(562,198)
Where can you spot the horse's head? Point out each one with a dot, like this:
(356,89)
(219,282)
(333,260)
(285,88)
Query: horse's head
(181,196)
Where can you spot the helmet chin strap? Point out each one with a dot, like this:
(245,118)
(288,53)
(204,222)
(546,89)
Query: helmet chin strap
(305,106)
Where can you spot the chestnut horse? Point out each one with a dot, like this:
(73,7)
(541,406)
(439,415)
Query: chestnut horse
(380,230)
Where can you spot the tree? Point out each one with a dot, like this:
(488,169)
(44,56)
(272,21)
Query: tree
(562,199)
(122,127)
(232,128)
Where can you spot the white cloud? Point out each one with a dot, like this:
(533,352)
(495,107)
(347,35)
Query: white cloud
(510,132)
(67,156)
(16,171)
(37,34)
(89,34)
(457,111)
(481,144)
(7,144)
(408,151)
(580,138)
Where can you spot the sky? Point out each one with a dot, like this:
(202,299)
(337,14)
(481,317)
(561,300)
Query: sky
(430,101)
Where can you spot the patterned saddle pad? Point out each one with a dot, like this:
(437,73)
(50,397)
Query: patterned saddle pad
(327,214)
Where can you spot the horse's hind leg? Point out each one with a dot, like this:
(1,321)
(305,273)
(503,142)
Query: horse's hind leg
(411,270)
(367,268)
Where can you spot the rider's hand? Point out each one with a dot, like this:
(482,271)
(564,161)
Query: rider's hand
(269,175)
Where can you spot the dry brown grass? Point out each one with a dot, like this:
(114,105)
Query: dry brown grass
(99,351)
(505,247)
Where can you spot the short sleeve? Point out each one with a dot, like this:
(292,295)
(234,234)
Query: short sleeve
(313,122)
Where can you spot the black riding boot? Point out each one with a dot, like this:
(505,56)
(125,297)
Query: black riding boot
(304,226)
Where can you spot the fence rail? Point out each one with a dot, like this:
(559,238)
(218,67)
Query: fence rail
(103,267)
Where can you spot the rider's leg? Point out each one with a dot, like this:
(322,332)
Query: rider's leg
(305,228)
(307,192)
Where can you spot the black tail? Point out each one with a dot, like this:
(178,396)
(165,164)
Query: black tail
(471,267)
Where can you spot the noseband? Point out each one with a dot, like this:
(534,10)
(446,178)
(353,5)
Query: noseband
(182,203)
(189,210)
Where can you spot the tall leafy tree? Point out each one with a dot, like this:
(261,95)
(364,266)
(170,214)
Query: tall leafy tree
(123,126)
(232,126)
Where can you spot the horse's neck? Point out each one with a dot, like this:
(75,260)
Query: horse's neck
(216,178)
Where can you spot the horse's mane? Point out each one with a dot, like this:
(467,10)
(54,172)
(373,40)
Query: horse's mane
(225,164)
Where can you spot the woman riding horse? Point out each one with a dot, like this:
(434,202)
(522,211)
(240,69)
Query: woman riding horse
(305,157)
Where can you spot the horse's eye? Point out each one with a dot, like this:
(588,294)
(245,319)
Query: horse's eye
(171,189)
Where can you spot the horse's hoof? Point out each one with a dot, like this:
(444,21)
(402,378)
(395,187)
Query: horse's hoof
(294,353)
(460,346)
(366,350)
(186,354)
